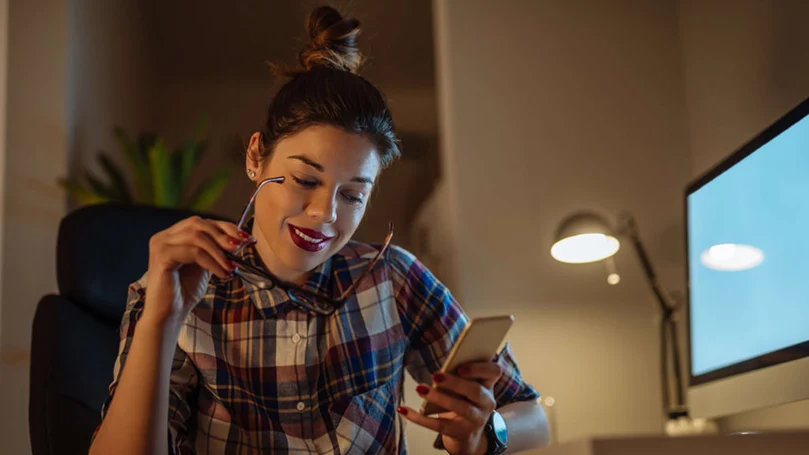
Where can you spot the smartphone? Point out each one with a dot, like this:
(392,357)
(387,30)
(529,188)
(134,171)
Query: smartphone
(479,342)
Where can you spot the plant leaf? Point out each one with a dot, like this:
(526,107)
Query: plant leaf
(138,165)
(164,183)
(80,193)
(188,156)
(99,187)
(210,190)
(116,177)
(145,142)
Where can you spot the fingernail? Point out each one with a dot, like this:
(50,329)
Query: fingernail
(402,410)
(234,242)
(244,235)
(233,265)
(463,371)
(438,378)
(422,389)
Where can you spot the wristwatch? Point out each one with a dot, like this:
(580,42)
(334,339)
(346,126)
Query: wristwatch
(496,433)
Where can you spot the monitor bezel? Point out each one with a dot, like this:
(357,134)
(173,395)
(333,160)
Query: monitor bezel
(780,356)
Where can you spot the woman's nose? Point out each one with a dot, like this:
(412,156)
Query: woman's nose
(323,208)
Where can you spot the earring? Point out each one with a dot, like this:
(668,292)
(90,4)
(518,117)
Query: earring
(251,173)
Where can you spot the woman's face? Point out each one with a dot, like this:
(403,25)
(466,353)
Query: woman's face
(330,174)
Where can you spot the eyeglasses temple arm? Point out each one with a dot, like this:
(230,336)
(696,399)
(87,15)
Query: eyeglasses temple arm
(382,250)
(252,200)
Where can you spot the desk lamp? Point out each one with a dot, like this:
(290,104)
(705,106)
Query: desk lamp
(587,237)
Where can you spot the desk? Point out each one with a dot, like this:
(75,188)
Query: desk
(771,443)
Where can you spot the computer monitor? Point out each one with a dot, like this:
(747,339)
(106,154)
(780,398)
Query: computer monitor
(747,238)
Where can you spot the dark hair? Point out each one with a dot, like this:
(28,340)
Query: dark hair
(327,89)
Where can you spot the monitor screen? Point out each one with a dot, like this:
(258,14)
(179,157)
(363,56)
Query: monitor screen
(748,255)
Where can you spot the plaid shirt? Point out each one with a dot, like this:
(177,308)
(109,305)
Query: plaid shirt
(252,373)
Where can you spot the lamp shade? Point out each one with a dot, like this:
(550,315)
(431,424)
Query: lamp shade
(584,237)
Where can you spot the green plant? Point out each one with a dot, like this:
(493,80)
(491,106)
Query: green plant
(160,177)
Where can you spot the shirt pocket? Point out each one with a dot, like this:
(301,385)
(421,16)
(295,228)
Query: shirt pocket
(366,423)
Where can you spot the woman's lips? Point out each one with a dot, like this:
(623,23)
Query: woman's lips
(307,239)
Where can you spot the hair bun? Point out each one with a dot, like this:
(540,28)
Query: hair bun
(332,41)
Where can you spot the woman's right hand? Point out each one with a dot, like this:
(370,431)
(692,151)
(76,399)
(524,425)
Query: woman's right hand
(182,259)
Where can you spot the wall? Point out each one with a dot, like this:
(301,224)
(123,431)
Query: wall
(75,69)
(744,68)
(111,79)
(3,86)
(36,155)
(549,107)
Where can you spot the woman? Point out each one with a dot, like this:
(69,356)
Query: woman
(271,358)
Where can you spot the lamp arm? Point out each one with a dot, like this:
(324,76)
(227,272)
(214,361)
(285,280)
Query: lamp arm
(630,229)
(675,347)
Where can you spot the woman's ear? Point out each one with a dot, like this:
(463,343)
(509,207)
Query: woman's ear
(252,156)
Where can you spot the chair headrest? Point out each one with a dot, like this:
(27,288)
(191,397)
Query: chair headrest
(103,248)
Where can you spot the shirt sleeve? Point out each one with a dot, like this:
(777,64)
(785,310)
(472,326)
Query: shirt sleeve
(184,377)
(433,320)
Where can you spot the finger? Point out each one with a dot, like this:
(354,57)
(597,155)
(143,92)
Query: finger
(440,425)
(223,233)
(186,254)
(464,409)
(485,372)
(221,237)
(232,230)
(183,224)
(473,391)
(201,240)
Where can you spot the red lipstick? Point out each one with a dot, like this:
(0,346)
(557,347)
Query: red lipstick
(307,239)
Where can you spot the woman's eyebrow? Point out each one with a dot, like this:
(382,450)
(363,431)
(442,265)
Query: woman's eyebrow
(308,161)
(319,167)
(365,180)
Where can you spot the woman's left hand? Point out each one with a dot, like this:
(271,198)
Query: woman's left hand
(469,398)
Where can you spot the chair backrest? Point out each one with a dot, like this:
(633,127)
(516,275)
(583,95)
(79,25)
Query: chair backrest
(101,250)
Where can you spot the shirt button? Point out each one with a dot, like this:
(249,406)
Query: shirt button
(296,338)
(301,406)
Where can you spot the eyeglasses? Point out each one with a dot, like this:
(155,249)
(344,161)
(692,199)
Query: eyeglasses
(303,298)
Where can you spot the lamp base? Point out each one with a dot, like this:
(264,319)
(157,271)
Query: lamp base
(677,411)
(687,426)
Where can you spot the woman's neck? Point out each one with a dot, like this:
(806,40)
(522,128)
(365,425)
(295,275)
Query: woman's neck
(271,262)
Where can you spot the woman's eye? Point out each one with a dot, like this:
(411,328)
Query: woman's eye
(305,183)
(352,198)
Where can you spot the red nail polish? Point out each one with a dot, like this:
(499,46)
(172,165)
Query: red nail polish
(438,378)
(422,389)
(463,371)
(402,410)
(244,235)
(234,242)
